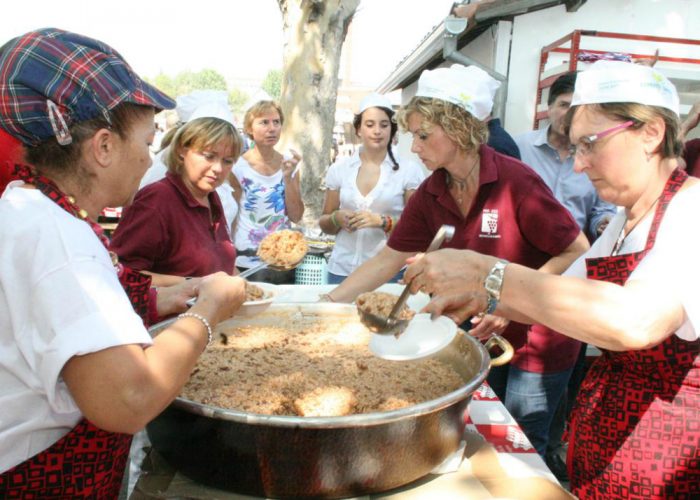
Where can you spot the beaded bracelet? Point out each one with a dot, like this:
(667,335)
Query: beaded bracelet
(387,223)
(333,220)
(205,322)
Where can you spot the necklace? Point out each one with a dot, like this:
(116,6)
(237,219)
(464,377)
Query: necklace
(623,235)
(67,203)
(461,184)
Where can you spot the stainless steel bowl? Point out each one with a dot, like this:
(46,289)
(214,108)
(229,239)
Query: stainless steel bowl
(332,457)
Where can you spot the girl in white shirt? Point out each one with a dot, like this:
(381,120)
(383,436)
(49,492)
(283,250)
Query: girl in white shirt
(367,191)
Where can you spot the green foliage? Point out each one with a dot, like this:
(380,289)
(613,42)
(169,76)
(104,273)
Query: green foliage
(187,81)
(237,99)
(272,84)
(208,79)
(164,83)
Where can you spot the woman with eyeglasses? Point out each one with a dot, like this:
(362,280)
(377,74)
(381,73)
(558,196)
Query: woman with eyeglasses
(635,431)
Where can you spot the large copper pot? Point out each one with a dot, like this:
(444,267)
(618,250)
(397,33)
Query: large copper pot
(331,457)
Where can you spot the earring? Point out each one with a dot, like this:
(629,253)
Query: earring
(649,155)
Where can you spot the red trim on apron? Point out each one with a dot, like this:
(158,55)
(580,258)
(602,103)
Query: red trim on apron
(636,426)
(87,462)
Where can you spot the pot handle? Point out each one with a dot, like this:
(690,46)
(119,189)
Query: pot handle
(504,345)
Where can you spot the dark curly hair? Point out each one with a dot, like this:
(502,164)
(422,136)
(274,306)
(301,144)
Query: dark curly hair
(357,121)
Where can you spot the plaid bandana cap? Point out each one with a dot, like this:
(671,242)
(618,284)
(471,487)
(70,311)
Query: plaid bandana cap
(51,79)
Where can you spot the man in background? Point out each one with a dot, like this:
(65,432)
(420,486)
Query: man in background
(500,140)
(547,152)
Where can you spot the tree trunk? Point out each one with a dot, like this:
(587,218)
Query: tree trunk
(314,34)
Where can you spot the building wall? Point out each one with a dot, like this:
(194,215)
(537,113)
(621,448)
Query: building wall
(514,47)
(483,50)
(672,18)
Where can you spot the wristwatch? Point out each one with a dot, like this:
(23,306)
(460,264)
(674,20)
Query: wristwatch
(493,285)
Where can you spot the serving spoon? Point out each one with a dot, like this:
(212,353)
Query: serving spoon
(391,325)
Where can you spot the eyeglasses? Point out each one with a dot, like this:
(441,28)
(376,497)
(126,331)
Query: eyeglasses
(586,143)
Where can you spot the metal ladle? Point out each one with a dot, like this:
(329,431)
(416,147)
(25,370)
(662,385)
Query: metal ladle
(391,325)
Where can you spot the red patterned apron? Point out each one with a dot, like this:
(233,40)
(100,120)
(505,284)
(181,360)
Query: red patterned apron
(87,462)
(636,426)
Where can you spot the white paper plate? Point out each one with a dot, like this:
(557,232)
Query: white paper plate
(253,307)
(421,338)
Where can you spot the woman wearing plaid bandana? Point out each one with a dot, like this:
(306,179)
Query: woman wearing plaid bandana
(79,372)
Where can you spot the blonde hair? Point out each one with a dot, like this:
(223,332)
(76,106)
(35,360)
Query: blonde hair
(461,126)
(201,134)
(640,114)
(257,109)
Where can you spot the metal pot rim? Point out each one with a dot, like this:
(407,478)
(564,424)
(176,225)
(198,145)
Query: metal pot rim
(364,419)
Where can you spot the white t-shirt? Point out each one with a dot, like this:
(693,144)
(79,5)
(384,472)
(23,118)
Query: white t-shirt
(386,198)
(262,210)
(59,297)
(672,262)
(158,170)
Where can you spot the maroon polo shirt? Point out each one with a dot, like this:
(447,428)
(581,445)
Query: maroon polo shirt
(691,155)
(514,217)
(165,230)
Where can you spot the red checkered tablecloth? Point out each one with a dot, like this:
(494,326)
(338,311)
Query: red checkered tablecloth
(112,213)
(487,415)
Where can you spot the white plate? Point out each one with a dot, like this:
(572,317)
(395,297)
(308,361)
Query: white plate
(421,338)
(253,307)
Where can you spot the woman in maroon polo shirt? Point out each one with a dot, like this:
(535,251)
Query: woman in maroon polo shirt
(691,148)
(175,228)
(497,205)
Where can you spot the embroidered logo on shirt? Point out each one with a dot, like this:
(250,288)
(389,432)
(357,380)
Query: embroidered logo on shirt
(489,224)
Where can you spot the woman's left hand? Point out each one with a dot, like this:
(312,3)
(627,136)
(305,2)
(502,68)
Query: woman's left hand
(364,219)
(484,326)
(173,299)
(290,164)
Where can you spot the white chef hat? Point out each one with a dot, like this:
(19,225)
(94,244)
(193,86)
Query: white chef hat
(617,81)
(469,87)
(203,104)
(374,100)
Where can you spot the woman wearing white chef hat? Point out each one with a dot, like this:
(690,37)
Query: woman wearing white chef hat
(635,432)
(498,206)
(367,191)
